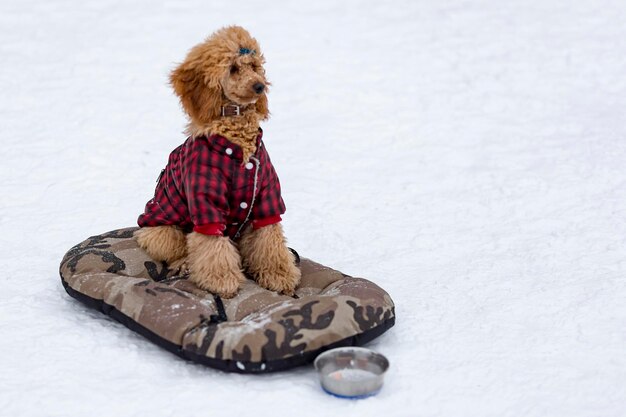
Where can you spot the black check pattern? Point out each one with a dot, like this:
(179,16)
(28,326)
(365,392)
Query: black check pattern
(206,183)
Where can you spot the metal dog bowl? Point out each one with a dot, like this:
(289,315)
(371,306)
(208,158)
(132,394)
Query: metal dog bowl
(351,372)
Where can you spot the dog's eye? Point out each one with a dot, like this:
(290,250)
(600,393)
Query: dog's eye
(234,69)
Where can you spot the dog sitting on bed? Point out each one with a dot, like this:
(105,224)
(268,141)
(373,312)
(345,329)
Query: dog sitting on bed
(217,206)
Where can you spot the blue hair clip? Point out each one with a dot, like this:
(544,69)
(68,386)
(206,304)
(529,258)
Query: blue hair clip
(246,51)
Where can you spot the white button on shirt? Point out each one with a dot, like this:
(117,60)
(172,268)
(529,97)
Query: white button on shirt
(229,151)
(243,205)
(249,165)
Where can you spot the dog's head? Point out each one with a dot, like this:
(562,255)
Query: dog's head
(226,68)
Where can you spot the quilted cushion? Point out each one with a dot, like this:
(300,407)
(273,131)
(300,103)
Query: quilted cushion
(256,331)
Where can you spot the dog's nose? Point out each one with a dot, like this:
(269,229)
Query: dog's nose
(258,88)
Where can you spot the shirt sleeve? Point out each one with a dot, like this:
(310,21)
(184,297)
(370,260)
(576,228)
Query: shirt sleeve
(269,205)
(206,190)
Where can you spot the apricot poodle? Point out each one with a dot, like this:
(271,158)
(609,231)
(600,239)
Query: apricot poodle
(217,206)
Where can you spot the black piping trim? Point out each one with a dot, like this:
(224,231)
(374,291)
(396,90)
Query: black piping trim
(296,255)
(221,311)
(228,365)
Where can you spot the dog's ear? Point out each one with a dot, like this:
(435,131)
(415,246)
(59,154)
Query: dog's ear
(200,100)
(261,107)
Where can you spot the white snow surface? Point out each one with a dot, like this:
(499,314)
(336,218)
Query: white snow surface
(469,157)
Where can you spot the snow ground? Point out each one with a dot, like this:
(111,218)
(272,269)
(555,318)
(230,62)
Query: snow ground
(467,156)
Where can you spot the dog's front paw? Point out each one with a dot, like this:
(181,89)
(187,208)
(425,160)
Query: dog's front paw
(214,264)
(179,266)
(267,258)
(282,277)
(225,284)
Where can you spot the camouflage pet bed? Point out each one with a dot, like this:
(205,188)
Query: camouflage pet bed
(256,331)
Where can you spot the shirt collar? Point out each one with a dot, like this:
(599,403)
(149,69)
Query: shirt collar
(221,144)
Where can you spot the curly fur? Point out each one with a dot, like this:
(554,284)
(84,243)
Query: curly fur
(216,74)
(163,243)
(214,264)
(205,82)
(266,257)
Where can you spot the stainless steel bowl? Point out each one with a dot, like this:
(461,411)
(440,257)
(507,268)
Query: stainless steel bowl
(351,372)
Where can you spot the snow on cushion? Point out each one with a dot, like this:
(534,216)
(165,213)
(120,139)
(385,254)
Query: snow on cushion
(256,331)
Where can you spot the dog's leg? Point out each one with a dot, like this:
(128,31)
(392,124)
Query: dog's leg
(164,243)
(214,264)
(267,258)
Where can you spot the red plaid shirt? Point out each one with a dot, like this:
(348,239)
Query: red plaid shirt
(207,188)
